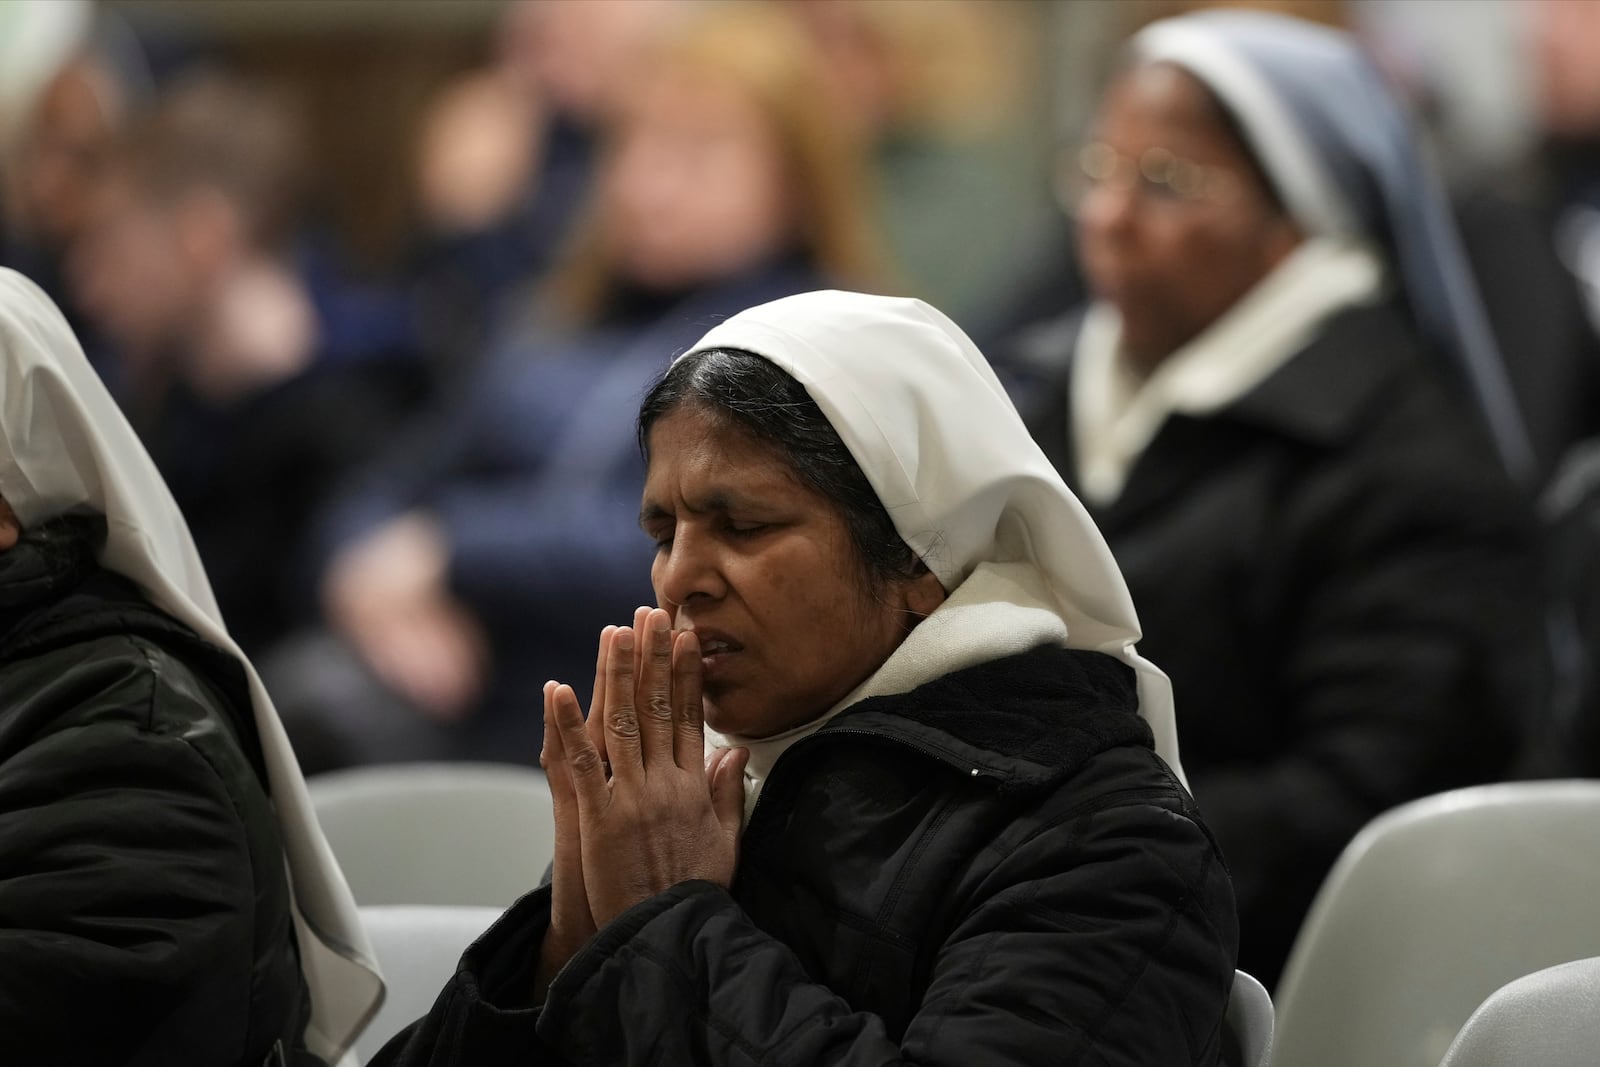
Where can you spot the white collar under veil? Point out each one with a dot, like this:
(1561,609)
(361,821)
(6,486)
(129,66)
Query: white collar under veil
(939,440)
(65,447)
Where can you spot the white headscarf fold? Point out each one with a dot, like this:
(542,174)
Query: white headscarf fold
(940,442)
(66,448)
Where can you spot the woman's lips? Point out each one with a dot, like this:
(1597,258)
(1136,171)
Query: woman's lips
(715,652)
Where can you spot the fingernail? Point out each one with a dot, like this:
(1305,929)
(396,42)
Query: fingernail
(659,622)
(625,639)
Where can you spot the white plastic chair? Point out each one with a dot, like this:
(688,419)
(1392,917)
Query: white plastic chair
(418,949)
(1431,908)
(437,833)
(1550,1018)
(1251,1019)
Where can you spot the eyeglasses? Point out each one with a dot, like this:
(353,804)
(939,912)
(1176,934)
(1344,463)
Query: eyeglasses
(1156,176)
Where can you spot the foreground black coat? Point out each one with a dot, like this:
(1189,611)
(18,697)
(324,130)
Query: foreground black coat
(993,869)
(144,913)
(1340,583)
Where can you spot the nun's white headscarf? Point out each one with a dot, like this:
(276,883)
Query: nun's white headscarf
(66,448)
(939,440)
(1342,152)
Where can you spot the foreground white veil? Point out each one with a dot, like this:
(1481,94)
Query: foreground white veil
(65,447)
(941,443)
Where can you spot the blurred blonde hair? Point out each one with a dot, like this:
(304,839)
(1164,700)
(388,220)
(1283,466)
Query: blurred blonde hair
(1335,13)
(759,51)
(955,68)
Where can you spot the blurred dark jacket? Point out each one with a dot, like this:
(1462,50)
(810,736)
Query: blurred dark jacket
(1569,743)
(1536,309)
(249,476)
(1340,582)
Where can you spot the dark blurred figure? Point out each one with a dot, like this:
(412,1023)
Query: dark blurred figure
(1569,745)
(91,78)
(1259,407)
(1565,185)
(1566,64)
(480,556)
(506,159)
(182,264)
(1518,216)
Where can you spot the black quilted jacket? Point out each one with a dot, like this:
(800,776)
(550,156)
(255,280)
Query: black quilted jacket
(144,914)
(992,869)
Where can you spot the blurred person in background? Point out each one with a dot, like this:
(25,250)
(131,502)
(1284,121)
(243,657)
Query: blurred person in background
(1565,62)
(1500,92)
(182,264)
(1565,187)
(943,94)
(478,558)
(1269,408)
(165,894)
(506,156)
(73,78)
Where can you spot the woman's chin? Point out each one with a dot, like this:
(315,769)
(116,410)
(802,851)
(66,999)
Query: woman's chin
(737,720)
(725,721)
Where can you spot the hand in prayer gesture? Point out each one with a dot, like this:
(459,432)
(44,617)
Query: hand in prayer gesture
(638,808)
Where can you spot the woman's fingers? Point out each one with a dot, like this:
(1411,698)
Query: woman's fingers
(641,623)
(689,721)
(553,758)
(596,722)
(655,700)
(621,716)
(579,755)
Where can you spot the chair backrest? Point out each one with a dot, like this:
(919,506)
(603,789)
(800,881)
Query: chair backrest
(1431,908)
(1250,1019)
(1550,1018)
(437,833)
(418,949)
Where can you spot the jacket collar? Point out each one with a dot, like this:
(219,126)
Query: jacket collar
(1025,721)
(48,560)
(1321,398)
(1324,394)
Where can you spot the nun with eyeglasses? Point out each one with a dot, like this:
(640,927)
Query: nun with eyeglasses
(1284,410)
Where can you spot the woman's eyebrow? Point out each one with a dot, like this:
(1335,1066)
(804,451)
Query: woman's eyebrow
(720,500)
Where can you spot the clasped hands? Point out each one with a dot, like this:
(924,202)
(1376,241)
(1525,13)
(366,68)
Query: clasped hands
(638,807)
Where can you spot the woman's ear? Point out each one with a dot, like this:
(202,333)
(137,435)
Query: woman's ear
(923,594)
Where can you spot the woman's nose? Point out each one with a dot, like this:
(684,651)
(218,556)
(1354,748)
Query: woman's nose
(687,570)
(1109,208)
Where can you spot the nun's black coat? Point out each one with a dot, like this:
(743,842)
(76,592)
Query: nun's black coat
(1341,584)
(144,913)
(994,868)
